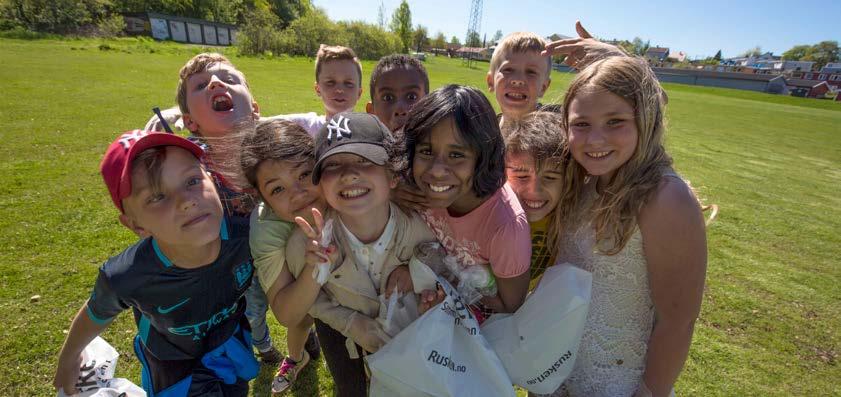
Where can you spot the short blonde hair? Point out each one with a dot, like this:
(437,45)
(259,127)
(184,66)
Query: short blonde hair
(327,53)
(518,43)
(196,64)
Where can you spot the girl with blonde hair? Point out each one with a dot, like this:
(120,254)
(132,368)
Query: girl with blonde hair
(637,226)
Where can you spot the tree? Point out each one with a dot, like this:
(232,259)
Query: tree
(497,36)
(455,41)
(823,53)
(381,16)
(401,24)
(439,41)
(639,47)
(473,40)
(420,38)
(717,56)
(753,52)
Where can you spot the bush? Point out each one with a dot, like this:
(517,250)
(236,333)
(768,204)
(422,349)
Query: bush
(370,41)
(23,33)
(111,26)
(304,35)
(259,33)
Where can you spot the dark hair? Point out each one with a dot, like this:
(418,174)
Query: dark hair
(538,133)
(476,123)
(395,61)
(279,140)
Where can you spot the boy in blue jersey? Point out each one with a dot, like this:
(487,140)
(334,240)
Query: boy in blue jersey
(184,281)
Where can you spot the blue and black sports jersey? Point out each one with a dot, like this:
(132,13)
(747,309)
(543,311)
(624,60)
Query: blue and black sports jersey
(181,314)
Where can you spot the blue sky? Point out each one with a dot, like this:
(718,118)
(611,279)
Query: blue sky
(699,28)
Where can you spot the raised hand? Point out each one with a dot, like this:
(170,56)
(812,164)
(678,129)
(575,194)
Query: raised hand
(582,51)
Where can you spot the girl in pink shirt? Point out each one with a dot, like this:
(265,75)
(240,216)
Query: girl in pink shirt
(457,159)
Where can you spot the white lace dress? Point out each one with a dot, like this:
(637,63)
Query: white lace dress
(611,359)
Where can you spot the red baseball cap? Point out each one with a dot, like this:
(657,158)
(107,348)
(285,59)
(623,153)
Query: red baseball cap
(116,166)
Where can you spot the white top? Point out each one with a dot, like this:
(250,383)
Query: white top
(311,121)
(371,257)
(611,357)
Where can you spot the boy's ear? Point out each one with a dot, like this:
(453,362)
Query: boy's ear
(369,107)
(132,225)
(317,89)
(255,110)
(360,93)
(490,79)
(189,123)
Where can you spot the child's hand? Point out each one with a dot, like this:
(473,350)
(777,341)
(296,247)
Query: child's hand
(315,252)
(67,374)
(401,278)
(410,197)
(430,298)
(583,50)
(367,332)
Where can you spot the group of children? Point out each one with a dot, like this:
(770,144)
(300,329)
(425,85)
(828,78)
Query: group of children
(315,216)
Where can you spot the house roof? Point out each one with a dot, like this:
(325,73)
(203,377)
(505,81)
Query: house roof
(804,83)
(657,50)
(721,75)
(556,37)
(471,49)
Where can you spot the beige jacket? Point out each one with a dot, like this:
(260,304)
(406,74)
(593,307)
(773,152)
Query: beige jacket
(349,288)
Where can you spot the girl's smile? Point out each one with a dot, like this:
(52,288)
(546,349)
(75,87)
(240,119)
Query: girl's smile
(603,132)
(443,169)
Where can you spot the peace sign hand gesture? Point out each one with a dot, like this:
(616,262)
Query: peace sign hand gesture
(321,252)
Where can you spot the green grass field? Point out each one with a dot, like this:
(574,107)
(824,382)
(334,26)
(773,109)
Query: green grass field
(770,323)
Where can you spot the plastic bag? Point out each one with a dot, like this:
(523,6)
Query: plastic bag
(538,344)
(397,312)
(442,353)
(472,282)
(99,361)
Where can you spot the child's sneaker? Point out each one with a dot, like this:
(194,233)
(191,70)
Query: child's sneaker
(269,357)
(287,373)
(313,347)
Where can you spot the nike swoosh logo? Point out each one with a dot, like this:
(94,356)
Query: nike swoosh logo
(173,307)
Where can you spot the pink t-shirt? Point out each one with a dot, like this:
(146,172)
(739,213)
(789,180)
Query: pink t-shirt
(496,233)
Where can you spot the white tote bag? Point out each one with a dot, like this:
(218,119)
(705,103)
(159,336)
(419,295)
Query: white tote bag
(539,343)
(442,353)
(99,361)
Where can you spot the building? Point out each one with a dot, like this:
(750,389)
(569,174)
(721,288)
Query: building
(677,57)
(809,88)
(833,79)
(181,29)
(832,67)
(769,83)
(781,66)
(657,54)
(479,53)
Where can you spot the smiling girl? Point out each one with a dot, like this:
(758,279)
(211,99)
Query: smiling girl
(457,158)
(637,226)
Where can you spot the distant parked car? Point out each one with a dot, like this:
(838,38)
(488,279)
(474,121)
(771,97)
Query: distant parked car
(419,55)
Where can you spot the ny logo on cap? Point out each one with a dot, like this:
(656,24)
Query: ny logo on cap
(338,128)
(126,139)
